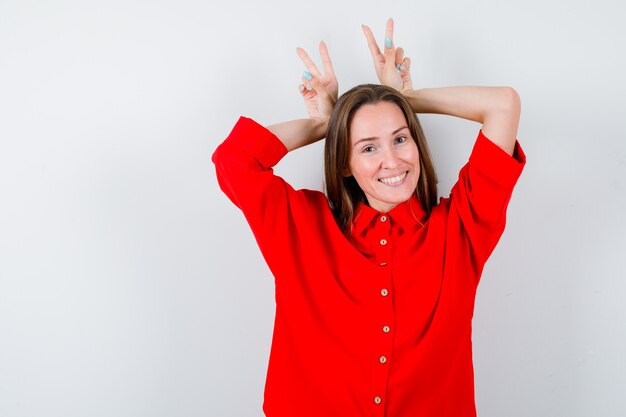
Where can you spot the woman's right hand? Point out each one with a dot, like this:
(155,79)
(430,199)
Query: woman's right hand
(318,90)
(392,67)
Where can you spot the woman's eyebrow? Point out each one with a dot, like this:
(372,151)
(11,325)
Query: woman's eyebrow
(374,138)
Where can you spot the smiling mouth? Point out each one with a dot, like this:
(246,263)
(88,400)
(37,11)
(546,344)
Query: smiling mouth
(394,180)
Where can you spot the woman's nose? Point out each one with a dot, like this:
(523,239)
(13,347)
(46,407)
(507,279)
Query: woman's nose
(390,160)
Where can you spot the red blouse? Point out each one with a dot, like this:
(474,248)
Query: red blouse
(381,326)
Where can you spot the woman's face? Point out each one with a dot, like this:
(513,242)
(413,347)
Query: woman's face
(383,156)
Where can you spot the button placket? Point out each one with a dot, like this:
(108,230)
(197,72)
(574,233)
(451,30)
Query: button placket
(386,316)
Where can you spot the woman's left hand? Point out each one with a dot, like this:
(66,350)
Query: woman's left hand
(392,68)
(318,90)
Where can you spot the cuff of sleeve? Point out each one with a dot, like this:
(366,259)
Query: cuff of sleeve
(495,162)
(257,141)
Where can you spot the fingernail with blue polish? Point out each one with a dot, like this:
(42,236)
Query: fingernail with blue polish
(307,75)
(388,42)
(308,87)
(402,67)
(301,88)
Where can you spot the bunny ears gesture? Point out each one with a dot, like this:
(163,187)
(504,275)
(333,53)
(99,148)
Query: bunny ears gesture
(320,90)
(392,67)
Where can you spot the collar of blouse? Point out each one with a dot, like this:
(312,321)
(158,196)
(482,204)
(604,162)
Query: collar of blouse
(406,215)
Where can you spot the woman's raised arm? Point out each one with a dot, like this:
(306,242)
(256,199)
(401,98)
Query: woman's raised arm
(496,108)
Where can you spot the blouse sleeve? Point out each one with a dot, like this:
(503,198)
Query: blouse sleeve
(482,193)
(243,164)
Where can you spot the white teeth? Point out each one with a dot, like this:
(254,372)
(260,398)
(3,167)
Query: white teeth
(393,180)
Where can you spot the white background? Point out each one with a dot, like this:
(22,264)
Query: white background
(131,286)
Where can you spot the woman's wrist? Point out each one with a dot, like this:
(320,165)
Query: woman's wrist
(319,126)
(413,97)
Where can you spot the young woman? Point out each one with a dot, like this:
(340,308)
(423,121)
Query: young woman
(375,280)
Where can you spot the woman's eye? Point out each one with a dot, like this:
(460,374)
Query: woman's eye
(368,149)
(401,139)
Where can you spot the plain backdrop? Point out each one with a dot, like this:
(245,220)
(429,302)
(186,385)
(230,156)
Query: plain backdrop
(131,286)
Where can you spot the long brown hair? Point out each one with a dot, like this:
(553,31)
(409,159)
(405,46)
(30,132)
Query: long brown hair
(344,192)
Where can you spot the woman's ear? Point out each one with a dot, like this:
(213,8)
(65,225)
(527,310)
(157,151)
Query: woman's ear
(346,172)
